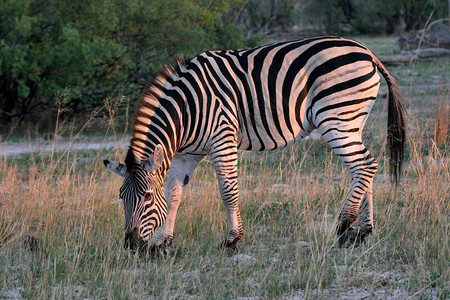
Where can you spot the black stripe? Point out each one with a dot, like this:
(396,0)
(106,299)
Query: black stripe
(243,60)
(347,145)
(341,130)
(232,81)
(194,116)
(341,86)
(353,153)
(342,120)
(258,63)
(274,69)
(298,64)
(342,104)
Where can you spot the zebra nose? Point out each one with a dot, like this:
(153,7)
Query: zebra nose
(131,238)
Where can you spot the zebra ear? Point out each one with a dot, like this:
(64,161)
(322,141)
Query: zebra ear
(158,158)
(154,162)
(115,167)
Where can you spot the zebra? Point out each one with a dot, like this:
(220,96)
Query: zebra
(258,99)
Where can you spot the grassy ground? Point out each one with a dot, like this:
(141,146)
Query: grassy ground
(61,223)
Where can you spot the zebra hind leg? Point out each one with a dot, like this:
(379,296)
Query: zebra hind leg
(355,218)
(357,233)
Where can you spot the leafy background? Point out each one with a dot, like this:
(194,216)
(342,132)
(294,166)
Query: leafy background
(93,50)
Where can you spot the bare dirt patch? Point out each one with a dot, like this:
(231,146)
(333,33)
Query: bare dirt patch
(18,148)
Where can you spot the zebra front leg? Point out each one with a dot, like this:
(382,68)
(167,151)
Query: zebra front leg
(225,165)
(180,172)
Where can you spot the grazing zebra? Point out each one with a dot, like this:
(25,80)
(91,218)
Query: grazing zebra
(257,99)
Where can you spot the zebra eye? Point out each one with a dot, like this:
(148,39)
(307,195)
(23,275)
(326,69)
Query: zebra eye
(148,196)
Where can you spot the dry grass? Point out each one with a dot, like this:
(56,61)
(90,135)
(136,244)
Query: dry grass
(67,204)
(441,126)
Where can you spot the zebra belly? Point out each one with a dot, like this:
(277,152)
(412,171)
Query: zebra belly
(261,141)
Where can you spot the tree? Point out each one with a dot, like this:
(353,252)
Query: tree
(374,16)
(98,49)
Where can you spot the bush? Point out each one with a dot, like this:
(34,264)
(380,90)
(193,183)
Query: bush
(372,17)
(98,49)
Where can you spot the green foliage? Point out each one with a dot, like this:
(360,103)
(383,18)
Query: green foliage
(374,16)
(325,15)
(380,16)
(268,16)
(99,49)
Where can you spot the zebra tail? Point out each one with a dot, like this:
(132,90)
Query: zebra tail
(396,127)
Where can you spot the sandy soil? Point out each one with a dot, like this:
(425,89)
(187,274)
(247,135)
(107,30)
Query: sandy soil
(18,148)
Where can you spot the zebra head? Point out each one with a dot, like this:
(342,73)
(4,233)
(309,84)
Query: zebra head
(143,197)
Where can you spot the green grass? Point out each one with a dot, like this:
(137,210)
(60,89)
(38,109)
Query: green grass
(379,45)
(289,205)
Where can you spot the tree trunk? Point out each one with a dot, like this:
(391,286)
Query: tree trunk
(9,97)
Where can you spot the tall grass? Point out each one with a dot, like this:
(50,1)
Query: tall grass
(68,203)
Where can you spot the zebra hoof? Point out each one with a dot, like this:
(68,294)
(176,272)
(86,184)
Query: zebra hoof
(155,251)
(347,239)
(343,226)
(167,242)
(232,251)
(353,236)
(230,248)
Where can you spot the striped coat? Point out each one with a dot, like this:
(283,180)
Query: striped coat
(257,99)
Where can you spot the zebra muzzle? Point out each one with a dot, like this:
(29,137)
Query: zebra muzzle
(132,238)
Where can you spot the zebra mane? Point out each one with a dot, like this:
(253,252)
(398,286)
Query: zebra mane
(130,161)
(156,84)
(149,101)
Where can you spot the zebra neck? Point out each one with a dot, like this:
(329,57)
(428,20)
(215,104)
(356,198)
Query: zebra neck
(159,116)
(132,161)
(154,125)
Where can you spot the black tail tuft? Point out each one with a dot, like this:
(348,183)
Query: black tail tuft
(396,130)
(396,127)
